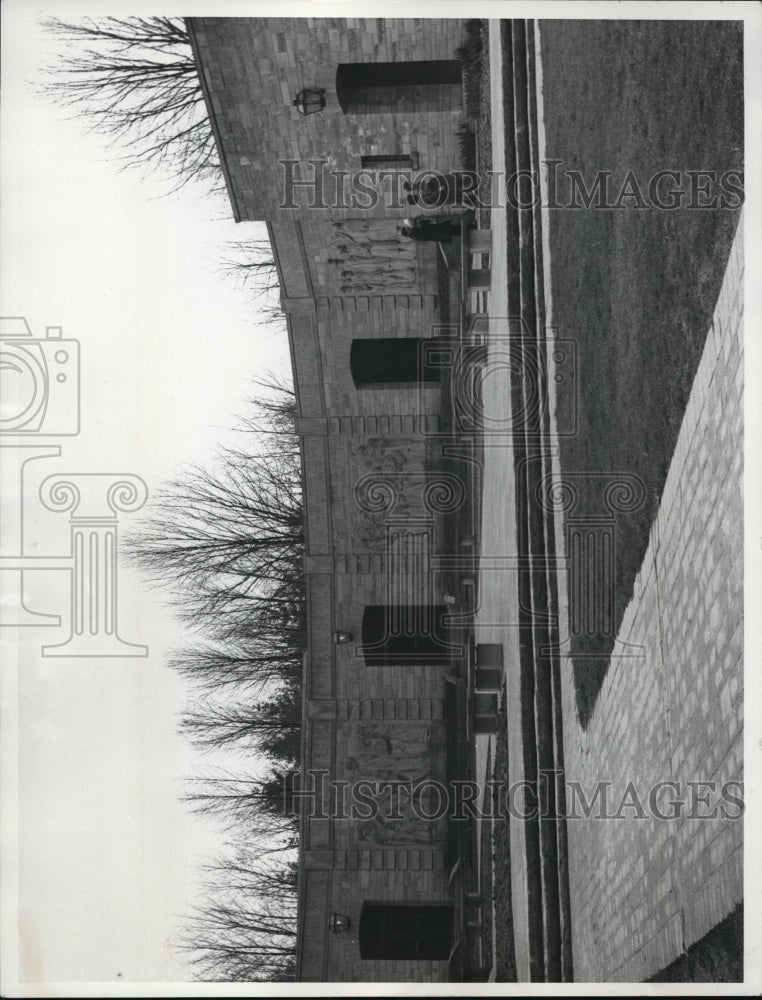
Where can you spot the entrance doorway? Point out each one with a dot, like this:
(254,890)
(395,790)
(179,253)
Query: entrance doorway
(406,931)
(400,87)
(389,361)
(406,635)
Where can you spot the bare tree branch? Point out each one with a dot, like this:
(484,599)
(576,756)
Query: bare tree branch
(134,81)
(252,263)
(263,804)
(270,727)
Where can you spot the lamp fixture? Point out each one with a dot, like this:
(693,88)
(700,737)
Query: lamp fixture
(338,923)
(308,101)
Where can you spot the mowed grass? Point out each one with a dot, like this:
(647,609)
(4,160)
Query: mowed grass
(636,288)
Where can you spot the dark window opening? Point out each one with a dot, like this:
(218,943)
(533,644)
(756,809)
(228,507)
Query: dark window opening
(406,932)
(389,361)
(387,162)
(394,87)
(407,635)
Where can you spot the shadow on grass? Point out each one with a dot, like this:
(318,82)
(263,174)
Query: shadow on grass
(716,958)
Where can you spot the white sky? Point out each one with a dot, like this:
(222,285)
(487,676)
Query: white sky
(167,348)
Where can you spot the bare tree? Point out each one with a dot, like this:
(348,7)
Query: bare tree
(262,805)
(220,542)
(269,727)
(246,664)
(252,263)
(135,82)
(266,875)
(231,942)
(245,925)
(273,416)
(228,544)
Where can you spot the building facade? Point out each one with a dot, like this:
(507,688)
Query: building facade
(388,490)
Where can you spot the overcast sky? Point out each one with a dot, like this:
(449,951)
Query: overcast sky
(168,347)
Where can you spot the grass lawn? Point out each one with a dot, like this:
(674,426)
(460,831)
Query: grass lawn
(716,958)
(636,288)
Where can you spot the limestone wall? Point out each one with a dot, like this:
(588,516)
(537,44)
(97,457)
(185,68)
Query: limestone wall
(254,67)
(349,434)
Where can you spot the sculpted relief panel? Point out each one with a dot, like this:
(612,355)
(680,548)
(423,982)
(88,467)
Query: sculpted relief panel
(374,461)
(394,770)
(369,255)
(392,491)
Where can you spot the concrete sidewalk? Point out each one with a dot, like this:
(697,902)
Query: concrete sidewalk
(497,616)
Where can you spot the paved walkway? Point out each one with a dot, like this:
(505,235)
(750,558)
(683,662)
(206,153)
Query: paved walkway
(498,612)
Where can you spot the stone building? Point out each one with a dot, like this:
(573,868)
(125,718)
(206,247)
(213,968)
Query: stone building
(324,129)
(388,491)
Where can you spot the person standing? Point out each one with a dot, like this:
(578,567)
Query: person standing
(439,230)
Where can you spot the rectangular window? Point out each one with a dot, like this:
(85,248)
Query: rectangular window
(387,162)
(406,932)
(400,87)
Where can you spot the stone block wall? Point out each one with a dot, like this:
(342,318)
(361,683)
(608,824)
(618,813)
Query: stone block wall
(346,880)
(252,69)
(340,870)
(415,875)
(347,434)
(336,319)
